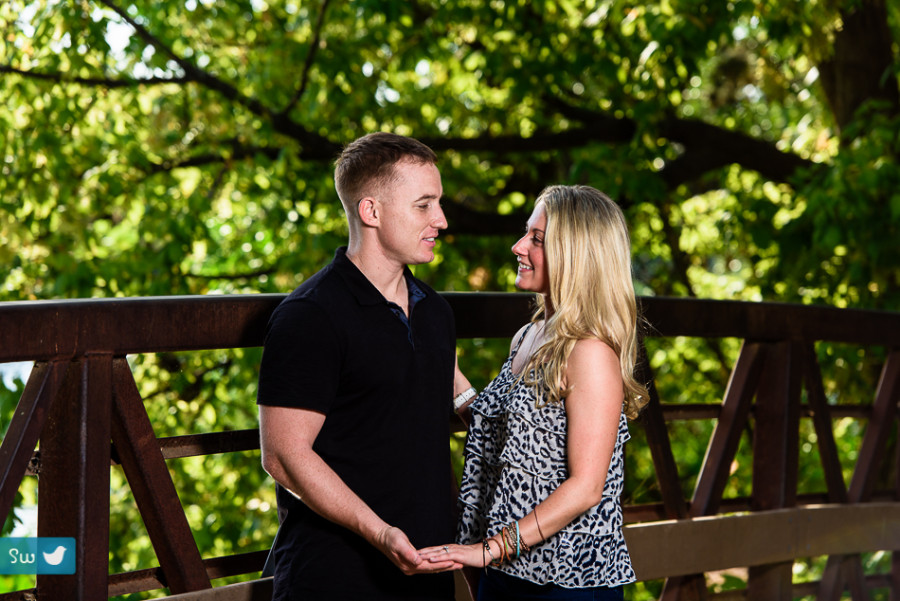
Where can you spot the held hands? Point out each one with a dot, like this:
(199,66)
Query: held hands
(396,546)
(457,556)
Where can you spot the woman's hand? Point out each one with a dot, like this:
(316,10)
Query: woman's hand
(460,555)
(396,546)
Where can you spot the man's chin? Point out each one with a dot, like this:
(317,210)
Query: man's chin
(421,260)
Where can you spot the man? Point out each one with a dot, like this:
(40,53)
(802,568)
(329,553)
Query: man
(355,386)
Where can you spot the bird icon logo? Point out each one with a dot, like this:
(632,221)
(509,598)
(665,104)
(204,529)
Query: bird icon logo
(55,558)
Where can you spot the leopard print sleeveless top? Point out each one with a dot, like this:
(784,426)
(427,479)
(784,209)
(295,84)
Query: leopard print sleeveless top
(515,457)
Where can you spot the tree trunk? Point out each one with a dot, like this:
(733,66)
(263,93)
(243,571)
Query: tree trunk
(861,67)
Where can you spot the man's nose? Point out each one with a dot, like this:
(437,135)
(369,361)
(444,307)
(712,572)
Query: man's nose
(440,220)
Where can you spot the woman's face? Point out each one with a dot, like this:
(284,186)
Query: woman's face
(529,251)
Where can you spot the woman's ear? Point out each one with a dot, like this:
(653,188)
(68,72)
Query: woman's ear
(368,211)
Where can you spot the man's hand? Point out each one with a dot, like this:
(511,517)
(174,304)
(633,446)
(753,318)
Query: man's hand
(396,546)
(287,436)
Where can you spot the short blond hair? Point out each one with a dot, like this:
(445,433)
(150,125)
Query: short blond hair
(366,166)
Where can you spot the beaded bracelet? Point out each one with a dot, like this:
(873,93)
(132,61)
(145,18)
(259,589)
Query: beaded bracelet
(507,542)
(518,540)
(525,546)
(504,535)
(511,541)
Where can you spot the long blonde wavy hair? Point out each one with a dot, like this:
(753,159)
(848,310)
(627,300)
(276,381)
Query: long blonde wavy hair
(587,251)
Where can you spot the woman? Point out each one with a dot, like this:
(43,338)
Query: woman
(539,502)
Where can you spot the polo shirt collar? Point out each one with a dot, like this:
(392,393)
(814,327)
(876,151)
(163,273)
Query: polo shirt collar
(365,292)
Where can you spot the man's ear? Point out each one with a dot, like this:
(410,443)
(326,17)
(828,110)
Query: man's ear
(368,212)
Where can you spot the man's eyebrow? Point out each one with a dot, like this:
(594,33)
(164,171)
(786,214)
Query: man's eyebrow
(427,197)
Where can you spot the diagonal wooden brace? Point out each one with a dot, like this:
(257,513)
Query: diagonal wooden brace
(152,486)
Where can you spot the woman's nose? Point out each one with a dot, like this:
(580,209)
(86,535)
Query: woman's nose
(516,248)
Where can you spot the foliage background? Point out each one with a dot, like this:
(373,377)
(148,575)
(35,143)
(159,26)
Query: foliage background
(185,147)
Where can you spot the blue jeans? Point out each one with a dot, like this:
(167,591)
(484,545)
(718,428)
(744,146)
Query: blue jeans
(497,586)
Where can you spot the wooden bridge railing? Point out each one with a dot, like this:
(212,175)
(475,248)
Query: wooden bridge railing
(81,395)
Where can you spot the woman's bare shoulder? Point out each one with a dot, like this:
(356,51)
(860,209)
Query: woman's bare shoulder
(592,355)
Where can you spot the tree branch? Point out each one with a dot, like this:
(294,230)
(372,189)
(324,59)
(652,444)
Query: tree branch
(238,152)
(249,275)
(307,64)
(541,141)
(58,77)
(314,146)
(709,147)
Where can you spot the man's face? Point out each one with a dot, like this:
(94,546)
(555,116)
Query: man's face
(411,214)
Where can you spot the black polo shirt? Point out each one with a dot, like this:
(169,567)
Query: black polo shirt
(335,345)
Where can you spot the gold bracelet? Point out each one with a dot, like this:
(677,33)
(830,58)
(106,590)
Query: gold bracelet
(534,511)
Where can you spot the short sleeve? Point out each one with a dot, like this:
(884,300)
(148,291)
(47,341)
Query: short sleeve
(301,358)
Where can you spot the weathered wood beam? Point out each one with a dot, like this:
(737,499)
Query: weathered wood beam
(151,484)
(678,547)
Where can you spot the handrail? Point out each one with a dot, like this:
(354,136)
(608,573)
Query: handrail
(79,348)
(62,329)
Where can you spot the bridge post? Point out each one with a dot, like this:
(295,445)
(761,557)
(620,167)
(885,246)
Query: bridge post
(73,483)
(775,458)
